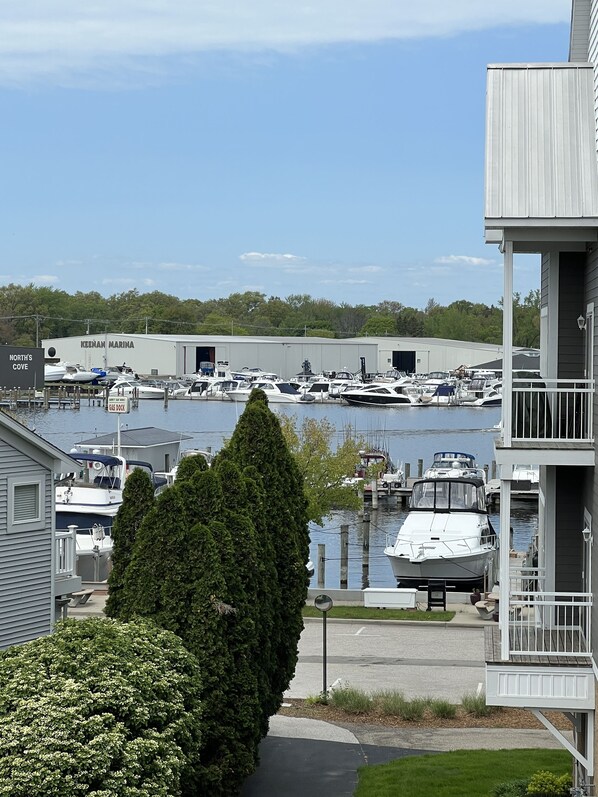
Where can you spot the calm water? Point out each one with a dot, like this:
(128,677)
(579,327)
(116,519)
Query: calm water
(409,434)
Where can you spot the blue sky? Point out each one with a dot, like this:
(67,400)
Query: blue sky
(202,148)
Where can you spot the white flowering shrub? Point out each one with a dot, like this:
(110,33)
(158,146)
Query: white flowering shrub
(101,709)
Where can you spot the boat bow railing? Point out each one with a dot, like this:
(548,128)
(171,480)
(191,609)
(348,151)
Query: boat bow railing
(444,548)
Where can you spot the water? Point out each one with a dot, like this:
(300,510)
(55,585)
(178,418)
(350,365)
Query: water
(409,434)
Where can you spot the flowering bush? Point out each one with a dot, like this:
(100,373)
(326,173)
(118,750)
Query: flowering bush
(101,709)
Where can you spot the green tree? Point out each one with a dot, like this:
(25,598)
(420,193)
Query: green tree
(138,499)
(324,467)
(258,442)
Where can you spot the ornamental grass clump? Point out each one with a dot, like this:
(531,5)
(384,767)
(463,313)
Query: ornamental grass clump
(389,702)
(99,708)
(442,709)
(475,704)
(351,700)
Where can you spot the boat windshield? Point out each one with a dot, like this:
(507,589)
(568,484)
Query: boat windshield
(448,495)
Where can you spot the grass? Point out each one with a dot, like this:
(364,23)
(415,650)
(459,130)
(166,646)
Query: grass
(475,704)
(471,773)
(366,613)
(351,700)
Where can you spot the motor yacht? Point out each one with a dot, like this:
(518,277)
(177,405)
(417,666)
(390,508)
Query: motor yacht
(135,388)
(454,465)
(383,394)
(447,535)
(277,393)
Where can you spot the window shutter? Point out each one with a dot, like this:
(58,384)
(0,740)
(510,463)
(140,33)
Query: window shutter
(26,503)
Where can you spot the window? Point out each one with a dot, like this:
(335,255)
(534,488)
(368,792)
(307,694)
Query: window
(25,504)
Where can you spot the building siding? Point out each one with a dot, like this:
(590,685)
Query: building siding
(25,560)
(571,304)
(569,523)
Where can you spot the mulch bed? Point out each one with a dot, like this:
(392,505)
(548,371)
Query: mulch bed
(500,718)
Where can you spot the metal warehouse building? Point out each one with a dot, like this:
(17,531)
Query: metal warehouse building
(175,355)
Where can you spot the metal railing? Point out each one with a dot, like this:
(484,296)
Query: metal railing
(552,410)
(65,543)
(548,624)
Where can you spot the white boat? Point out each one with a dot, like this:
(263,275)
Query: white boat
(54,372)
(207,388)
(454,465)
(482,392)
(90,499)
(77,374)
(525,481)
(383,394)
(277,393)
(446,535)
(136,388)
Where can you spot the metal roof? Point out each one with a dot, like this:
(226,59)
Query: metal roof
(145,437)
(540,148)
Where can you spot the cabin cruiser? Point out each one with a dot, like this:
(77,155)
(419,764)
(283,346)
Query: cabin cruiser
(277,392)
(483,392)
(77,374)
(214,387)
(446,535)
(454,465)
(54,372)
(90,499)
(135,388)
(383,394)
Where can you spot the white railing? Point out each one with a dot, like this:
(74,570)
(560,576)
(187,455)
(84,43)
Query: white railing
(65,559)
(549,624)
(526,579)
(552,410)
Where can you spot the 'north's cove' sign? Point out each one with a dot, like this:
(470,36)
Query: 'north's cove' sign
(21,367)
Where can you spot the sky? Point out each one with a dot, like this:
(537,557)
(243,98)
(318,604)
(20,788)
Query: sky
(203,148)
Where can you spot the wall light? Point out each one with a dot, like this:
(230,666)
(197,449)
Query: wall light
(581,322)
(587,534)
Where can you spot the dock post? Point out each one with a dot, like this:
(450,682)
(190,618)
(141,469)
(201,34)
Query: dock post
(321,566)
(365,557)
(420,468)
(407,471)
(374,491)
(165,397)
(344,557)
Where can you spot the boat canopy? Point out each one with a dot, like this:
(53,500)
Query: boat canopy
(105,459)
(449,495)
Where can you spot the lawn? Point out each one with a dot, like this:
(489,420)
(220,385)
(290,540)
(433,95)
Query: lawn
(462,773)
(366,613)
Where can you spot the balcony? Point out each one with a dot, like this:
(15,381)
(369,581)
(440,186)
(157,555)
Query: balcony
(549,662)
(553,416)
(66,579)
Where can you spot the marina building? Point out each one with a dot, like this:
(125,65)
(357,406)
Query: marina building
(542,197)
(176,355)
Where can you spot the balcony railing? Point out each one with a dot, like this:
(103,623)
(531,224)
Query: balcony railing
(546,624)
(65,559)
(552,410)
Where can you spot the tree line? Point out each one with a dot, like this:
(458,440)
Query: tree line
(29,314)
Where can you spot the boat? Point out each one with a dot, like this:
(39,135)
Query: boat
(383,394)
(376,465)
(54,372)
(454,465)
(135,388)
(447,535)
(210,387)
(482,391)
(277,393)
(445,393)
(90,499)
(525,481)
(77,374)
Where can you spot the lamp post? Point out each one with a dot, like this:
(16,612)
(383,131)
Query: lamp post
(323,603)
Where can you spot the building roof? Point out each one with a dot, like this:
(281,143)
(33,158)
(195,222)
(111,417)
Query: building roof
(522,361)
(32,445)
(144,437)
(541,164)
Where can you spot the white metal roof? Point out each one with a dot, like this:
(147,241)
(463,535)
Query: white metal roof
(540,151)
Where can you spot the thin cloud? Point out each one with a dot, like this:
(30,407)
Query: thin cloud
(23,279)
(366,270)
(270,259)
(464,260)
(58,39)
(345,282)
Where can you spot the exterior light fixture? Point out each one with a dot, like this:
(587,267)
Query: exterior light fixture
(581,323)
(587,534)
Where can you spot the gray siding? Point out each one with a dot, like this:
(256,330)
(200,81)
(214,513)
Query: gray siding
(571,303)
(544,279)
(580,32)
(569,523)
(25,560)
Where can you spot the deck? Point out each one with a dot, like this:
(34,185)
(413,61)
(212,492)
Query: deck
(552,647)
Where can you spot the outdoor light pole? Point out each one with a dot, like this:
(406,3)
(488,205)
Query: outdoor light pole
(324,604)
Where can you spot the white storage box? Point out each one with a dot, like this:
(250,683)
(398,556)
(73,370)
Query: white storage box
(389,598)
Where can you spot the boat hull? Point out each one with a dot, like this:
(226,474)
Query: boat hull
(465,569)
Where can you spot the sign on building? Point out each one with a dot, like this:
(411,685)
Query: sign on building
(21,367)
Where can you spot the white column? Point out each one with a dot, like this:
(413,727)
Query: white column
(507,345)
(505,549)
